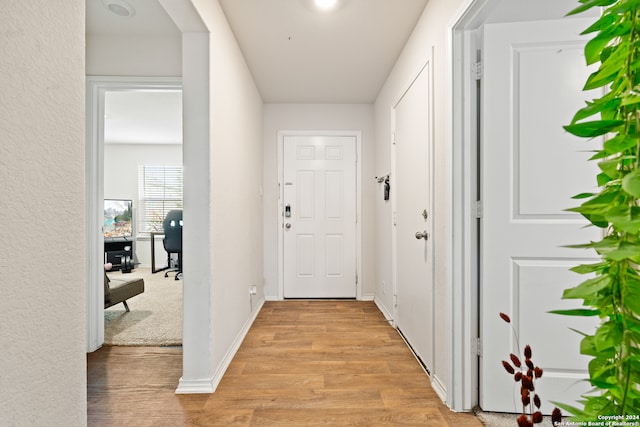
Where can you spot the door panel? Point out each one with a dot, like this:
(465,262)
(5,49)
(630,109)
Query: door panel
(532,81)
(320,235)
(413,178)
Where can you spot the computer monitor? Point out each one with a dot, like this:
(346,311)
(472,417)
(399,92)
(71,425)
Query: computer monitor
(118,218)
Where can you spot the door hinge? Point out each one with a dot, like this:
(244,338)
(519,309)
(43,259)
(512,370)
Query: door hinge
(477,209)
(476,70)
(476,346)
(393,138)
(356,278)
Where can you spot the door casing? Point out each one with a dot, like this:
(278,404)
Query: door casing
(96,88)
(281,136)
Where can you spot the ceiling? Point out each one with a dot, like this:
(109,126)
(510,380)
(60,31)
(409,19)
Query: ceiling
(296,53)
(143,116)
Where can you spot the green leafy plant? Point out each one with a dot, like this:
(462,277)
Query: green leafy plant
(612,292)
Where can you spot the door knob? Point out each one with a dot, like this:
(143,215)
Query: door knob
(422,235)
(287,225)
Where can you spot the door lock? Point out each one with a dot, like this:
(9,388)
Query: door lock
(422,235)
(287,226)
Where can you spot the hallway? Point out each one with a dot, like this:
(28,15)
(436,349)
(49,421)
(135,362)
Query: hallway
(303,363)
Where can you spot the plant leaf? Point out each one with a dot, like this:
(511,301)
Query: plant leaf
(625,250)
(589,4)
(604,22)
(593,128)
(631,183)
(587,288)
(589,268)
(632,297)
(594,47)
(619,143)
(608,335)
(585,312)
(624,218)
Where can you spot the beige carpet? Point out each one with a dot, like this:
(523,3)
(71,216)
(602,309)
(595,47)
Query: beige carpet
(155,318)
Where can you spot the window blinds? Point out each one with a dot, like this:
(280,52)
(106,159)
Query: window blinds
(160,190)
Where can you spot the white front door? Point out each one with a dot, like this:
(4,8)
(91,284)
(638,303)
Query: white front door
(532,81)
(413,181)
(319,208)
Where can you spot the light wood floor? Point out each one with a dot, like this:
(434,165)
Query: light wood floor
(303,363)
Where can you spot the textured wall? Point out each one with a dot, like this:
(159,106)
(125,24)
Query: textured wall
(431,31)
(42,254)
(145,56)
(235,151)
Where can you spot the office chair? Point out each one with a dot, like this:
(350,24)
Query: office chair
(172,241)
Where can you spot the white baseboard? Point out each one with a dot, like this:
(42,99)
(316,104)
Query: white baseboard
(271,298)
(439,388)
(209,385)
(201,386)
(226,361)
(368,297)
(384,311)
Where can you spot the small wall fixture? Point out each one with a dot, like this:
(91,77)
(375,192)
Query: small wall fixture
(120,8)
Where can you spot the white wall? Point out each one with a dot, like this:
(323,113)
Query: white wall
(42,256)
(134,56)
(121,163)
(354,117)
(431,31)
(145,56)
(235,155)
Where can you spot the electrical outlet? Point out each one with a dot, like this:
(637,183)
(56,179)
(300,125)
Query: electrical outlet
(253,290)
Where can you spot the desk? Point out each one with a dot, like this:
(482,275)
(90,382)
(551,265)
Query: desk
(153,252)
(117,248)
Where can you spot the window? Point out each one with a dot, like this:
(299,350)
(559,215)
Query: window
(160,190)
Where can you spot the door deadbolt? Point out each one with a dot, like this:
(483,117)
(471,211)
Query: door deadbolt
(287,226)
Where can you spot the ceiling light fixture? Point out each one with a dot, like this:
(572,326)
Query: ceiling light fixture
(326,4)
(120,8)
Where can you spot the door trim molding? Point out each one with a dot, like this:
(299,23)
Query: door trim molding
(358,136)
(96,87)
(462,273)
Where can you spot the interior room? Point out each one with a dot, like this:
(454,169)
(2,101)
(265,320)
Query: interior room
(143,166)
(397,93)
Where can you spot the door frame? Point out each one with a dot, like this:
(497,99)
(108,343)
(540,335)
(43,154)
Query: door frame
(94,160)
(281,135)
(462,163)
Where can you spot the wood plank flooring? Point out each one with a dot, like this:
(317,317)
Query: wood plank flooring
(303,363)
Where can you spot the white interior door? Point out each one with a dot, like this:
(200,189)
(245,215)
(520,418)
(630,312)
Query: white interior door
(532,81)
(413,195)
(319,208)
